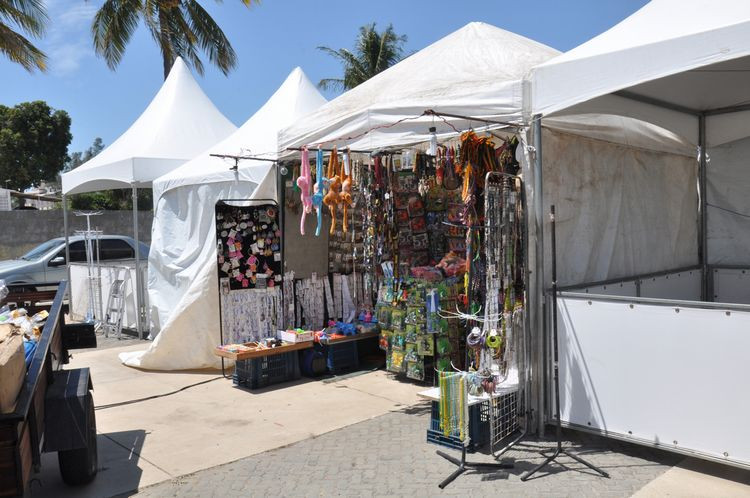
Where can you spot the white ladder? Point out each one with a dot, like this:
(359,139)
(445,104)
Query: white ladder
(116,303)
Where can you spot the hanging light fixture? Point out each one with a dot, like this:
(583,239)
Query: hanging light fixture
(432,150)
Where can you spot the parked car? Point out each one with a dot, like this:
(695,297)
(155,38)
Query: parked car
(46,262)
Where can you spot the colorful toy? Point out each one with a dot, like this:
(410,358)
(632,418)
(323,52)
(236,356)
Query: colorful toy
(333,197)
(304,182)
(317,199)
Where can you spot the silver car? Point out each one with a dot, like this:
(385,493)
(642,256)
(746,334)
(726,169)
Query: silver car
(46,262)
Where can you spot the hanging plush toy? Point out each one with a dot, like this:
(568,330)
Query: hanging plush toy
(317,198)
(304,182)
(333,197)
(346,190)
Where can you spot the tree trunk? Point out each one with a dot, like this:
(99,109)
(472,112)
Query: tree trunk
(165,43)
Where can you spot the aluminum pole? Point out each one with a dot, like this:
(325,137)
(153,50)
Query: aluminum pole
(702,213)
(138,321)
(539,337)
(67,241)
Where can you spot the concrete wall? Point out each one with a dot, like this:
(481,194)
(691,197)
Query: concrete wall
(20,231)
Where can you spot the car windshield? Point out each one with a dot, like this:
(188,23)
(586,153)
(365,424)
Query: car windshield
(40,250)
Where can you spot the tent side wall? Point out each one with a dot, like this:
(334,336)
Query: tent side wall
(621,211)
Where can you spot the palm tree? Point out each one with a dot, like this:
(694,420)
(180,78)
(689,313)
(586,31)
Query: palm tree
(29,16)
(374,52)
(180,27)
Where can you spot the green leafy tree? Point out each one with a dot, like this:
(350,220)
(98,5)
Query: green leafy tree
(75,159)
(374,52)
(181,28)
(27,16)
(34,142)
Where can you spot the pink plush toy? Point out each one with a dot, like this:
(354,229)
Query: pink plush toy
(304,182)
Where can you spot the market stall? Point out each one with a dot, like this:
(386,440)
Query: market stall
(179,123)
(183,280)
(689,66)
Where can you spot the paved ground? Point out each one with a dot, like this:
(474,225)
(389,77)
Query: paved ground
(388,456)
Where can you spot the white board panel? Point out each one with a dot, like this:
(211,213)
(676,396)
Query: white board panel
(685,285)
(629,289)
(732,285)
(676,379)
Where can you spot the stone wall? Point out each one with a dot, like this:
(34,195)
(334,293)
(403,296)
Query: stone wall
(21,230)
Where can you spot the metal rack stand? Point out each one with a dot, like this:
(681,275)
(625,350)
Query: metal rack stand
(559,450)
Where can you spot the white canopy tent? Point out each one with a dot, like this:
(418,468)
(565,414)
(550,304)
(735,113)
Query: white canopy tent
(183,285)
(180,122)
(654,341)
(476,71)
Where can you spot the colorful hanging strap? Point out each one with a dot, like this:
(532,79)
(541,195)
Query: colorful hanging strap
(319,186)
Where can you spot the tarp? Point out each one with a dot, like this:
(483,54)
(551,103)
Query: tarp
(183,282)
(476,71)
(179,123)
(693,55)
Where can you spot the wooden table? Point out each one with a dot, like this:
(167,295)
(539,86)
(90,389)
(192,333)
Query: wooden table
(260,353)
(350,338)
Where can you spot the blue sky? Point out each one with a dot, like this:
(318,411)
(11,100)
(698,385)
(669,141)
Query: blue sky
(270,40)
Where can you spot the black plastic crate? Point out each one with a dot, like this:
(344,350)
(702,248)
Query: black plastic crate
(340,358)
(479,429)
(267,370)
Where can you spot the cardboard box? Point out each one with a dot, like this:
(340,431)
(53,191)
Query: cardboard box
(12,367)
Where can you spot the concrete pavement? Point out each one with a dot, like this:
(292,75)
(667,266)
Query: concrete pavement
(355,435)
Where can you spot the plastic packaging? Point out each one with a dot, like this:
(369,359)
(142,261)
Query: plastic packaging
(3,290)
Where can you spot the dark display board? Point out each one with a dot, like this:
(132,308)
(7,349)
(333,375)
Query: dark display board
(248,244)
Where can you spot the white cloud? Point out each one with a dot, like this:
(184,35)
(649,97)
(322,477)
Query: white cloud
(68,41)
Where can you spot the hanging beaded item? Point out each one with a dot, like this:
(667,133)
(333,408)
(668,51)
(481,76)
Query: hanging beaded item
(454,409)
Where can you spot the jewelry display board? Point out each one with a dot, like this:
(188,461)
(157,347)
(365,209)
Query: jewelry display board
(249,257)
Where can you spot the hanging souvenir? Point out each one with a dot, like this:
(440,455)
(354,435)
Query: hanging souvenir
(304,182)
(317,199)
(333,197)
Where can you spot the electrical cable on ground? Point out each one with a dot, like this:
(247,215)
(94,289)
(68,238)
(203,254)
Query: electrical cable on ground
(155,396)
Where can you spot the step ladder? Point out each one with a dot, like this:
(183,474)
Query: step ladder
(116,303)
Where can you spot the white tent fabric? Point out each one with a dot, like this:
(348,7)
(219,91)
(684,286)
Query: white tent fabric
(179,123)
(674,51)
(693,57)
(476,71)
(183,286)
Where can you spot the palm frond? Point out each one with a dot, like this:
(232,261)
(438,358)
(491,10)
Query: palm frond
(210,37)
(20,50)
(113,26)
(331,84)
(28,15)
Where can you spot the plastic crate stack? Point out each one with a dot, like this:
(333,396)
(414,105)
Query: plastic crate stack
(340,358)
(268,370)
(479,428)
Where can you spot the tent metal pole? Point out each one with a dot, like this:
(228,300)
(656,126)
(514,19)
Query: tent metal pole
(539,370)
(138,321)
(67,241)
(703,215)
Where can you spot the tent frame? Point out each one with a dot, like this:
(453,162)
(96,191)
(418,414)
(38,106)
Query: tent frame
(540,309)
(139,322)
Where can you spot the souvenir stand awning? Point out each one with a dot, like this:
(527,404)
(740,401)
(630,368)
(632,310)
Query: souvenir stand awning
(684,66)
(475,71)
(179,123)
(182,266)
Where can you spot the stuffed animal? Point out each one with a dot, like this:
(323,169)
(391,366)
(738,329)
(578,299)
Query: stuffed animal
(317,199)
(333,197)
(346,191)
(304,182)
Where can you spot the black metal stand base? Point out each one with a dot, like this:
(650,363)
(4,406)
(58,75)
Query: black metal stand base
(463,466)
(556,453)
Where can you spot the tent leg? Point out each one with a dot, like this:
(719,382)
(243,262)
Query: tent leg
(138,320)
(67,241)
(539,368)
(702,213)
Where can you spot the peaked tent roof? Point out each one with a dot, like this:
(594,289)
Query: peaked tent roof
(179,123)
(693,56)
(258,137)
(477,67)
